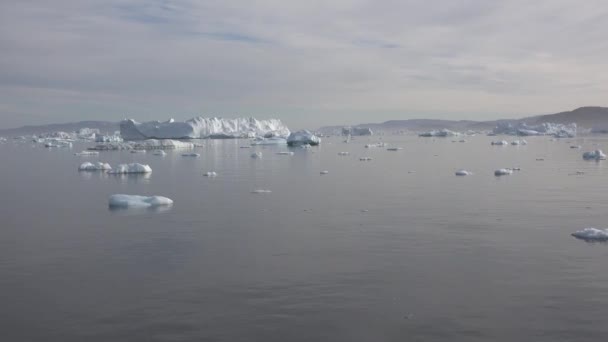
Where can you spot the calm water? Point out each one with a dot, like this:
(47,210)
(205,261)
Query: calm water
(368,252)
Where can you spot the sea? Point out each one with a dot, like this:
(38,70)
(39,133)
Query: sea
(396,248)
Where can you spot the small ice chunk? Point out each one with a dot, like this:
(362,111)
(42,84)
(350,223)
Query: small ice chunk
(394,149)
(592,234)
(256,155)
(138,151)
(159,153)
(462,172)
(244,146)
(365,159)
(324,172)
(86,153)
(285,153)
(503,172)
(597,155)
(261,191)
(98,166)
(210,174)
(135,201)
(194,155)
(575,146)
(132,168)
(501,142)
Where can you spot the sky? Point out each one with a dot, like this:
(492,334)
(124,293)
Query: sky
(309,63)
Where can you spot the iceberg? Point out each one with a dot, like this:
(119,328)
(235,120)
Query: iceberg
(376,145)
(597,155)
(303,137)
(545,128)
(210,174)
(285,153)
(203,128)
(394,149)
(269,141)
(159,153)
(503,172)
(591,234)
(519,142)
(439,133)
(149,144)
(108,138)
(324,172)
(463,173)
(138,151)
(135,201)
(365,159)
(98,166)
(131,168)
(256,155)
(500,143)
(343,153)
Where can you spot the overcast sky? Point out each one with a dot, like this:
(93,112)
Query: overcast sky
(309,63)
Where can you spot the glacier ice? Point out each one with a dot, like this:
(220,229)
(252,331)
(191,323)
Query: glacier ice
(131,168)
(97,166)
(545,128)
(439,133)
(203,128)
(597,155)
(303,137)
(591,234)
(136,201)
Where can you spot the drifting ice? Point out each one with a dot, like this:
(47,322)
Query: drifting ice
(261,191)
(503,172)
(303,137)
(597,155)
(440,133)
(501,142)
(159,153)
(131,168)
(135,201)
(463,173)
(256,155)
(195,155)
(546,128)
(592,234)
(210,174)
(86,153)
(98,166)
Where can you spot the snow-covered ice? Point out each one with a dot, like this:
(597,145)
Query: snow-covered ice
(97,166)
(503,172)
(592,234)
(303,137)
(596,155)
(131,168)
(210,174)
(462,173)
(136,201)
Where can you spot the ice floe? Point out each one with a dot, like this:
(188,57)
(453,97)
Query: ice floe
(131,168)
(97,166)
(210,174)
(592,234)
(503,172)
(463,173)
(500,142)
(136,201)
(596,155)
(303,137)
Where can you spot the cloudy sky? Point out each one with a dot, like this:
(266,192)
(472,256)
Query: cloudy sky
(309,63)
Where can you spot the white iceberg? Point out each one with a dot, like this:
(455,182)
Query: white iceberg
(108,138)
(463,173)
(596,155)
(500,142)
(439,133)
(131,168)
(503,172)
(380,144)
(138,151)
(545,128)
(203,128)
(303,137)
(285,153)
(256,155)
(210,174)
(98,166)
(135,201)
(195,155)
(592,234)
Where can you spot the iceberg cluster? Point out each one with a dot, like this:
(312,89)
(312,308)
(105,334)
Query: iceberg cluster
(592,234)
(135,201)
(595,155)
(131,168)
(545,128)
(303,137)
(203,128)
(439,133)
(98,166)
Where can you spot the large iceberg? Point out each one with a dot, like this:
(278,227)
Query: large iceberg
(202,128)
(545,128)
(439,133)
(148,144)
(597,155)
(135,201)
(303,137)
(131,168)
(592,234)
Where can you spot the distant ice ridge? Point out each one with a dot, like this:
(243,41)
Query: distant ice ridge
(592,234)
(149,144)
(303,137)
(98,166)
(545,128)
(131,168)
(135,201)
(203,128)
(439,133)
(597,155)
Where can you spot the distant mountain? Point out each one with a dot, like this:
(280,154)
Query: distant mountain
(103,126)
(584,117)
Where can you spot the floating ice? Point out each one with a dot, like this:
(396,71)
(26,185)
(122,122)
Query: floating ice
(131,168)
(503,172)
(365,159)
(597,155)
(303,137)
(380,144)
(58,143)
(201,128)
(210,174)
(394,149)
(149,144)
(159,153)
(285,153)
(135,201)
(500,142)
(592,234)
(261,191)
(463,173)
(86,153)
(244,146)
(195,155)
(519,142)
(439,133)
(97,166)
(324,172)
(138,151)
(575,146)
(269,141)
(107,138)
(545,128)
(256,155)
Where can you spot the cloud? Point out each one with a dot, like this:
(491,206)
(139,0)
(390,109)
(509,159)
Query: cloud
(309,63)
